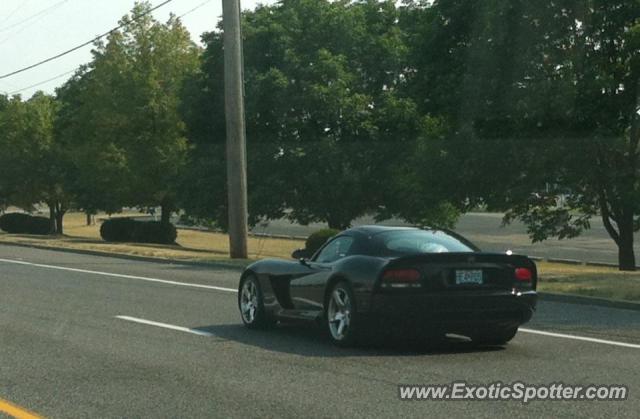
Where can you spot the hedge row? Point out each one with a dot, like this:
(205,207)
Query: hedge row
(129,230)
(19,223)
(317,239)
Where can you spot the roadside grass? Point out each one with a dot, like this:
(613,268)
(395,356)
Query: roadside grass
(191,245)
(590,281)
(205,246)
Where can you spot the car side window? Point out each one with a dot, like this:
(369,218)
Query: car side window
(335,250)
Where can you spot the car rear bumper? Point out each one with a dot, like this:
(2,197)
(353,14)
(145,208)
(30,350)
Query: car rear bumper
(455,312)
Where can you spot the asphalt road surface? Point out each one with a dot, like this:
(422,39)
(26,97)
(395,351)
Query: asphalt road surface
(86,336)
(486,231)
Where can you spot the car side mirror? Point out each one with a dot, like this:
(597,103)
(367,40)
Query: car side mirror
(300,254)
(304,261)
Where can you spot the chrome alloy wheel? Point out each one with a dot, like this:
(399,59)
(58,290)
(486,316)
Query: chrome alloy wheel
(339,313)
(249,301)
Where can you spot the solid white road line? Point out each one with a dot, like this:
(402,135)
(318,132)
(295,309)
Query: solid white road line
(187,284)
(140,278)
(166,326)
(583,338)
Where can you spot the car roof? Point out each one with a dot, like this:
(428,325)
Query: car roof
(375,229)
(368,231)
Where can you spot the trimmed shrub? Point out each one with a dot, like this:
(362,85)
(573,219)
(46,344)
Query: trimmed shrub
(154,232)
(19,223)
(117,229)
(317,239)
(129,230)
(39,225)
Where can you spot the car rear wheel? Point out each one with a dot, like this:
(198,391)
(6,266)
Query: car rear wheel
(251,304)
(344,326)
(495,336)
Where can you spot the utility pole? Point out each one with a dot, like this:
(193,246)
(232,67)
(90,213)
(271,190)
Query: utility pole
(236,134)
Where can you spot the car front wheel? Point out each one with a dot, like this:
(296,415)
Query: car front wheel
(251,304)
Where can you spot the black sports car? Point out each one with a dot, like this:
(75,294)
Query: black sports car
(427,280)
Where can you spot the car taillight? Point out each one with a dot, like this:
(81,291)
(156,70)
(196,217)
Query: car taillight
(401,278)
(523,275)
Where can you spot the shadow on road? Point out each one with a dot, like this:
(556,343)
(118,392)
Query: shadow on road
(309,340)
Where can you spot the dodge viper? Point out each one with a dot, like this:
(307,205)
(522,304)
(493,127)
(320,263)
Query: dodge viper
(428,281)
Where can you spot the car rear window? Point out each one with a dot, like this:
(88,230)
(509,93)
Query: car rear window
(410,242)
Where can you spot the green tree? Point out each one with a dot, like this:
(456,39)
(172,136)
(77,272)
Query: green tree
(4,175)
(99,175)
(595,68)
(33,161)
(121,113)
(325,118)
(541,103)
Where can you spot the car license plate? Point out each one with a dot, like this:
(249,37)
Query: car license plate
(469,277)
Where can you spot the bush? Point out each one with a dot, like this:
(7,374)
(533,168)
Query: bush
(317,239)
(154,232)
(39,225)
(129,230)
(117,229)
(19,223)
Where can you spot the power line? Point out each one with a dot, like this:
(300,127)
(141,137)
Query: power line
(55,57)
(40,16)
(11,86)
(194,9)
(14,11)
(71,71)
(40,13)
(42,82)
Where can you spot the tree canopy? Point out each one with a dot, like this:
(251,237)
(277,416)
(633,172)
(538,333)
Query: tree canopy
(326,118)
(541,103)
(121,114)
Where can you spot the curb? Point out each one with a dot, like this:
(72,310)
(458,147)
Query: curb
(566,261)
(250,234)
(223,265)
(277,236)
(574,262)
(591,301)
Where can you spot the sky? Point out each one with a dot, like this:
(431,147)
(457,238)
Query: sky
(33,30)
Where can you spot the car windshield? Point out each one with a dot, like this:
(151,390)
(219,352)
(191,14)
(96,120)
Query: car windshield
(409,242)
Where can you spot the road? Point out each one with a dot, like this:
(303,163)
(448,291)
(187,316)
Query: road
(64,352)
(486,231)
